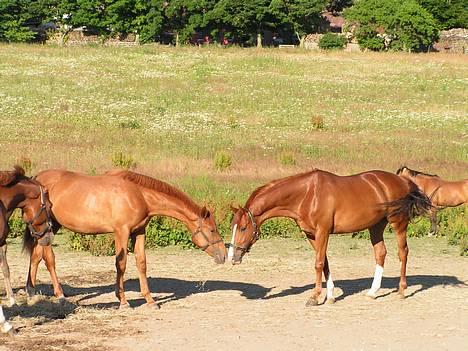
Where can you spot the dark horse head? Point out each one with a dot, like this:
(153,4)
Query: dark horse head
(19,191)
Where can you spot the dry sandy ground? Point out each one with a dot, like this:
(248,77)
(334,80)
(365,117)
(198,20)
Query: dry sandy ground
(259,305)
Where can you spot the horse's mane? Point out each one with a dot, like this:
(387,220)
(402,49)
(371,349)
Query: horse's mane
(414,173)
(264,188)
(8,177)
(158,185)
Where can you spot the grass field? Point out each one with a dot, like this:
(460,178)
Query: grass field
(169,112)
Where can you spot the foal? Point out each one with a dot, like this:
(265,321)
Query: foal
(441,192)
(323,203)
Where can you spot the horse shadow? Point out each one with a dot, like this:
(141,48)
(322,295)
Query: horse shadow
(173,289)
(354,286)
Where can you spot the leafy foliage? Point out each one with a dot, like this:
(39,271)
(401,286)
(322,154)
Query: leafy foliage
(331,41)
(448,13)
(392,24)
(14,15)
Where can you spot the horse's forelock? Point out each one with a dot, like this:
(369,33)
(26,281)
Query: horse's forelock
(18,171)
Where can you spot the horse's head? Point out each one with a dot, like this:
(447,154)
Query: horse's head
(207,238)
(37,213)
(245,232)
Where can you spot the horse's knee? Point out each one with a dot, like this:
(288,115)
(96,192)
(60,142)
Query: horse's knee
(319,265)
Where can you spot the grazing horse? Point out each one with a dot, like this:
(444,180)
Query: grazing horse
(322,203)
(441,192)
(19,191)
(121,202)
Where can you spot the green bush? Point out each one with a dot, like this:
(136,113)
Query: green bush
(392,24)
(166,231)
(124,161)
(332,41)
(222,161)
(97,245)
(16,224)
(280,227)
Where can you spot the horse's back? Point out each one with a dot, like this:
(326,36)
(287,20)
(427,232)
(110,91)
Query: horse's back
(101,200)
(357,202)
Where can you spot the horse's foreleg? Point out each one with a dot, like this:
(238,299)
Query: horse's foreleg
(121,243)
(140,259)
(34,260)
(326,273)
(321,242)
(380,252)
(49,259)
(6,275)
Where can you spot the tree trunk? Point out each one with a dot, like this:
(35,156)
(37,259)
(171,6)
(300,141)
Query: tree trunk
(177,39)
(259,40)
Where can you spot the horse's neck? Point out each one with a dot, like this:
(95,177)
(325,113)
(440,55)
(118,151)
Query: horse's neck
(163,204)
(427,184)
(279,201)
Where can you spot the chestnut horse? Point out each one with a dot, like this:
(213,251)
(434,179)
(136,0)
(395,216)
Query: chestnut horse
(322,203)
(441,192)
(121,202)
(19,191)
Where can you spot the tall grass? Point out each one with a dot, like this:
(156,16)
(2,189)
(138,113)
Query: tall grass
(170,111)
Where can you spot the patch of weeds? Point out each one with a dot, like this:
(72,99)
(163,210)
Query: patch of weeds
(124,161)
(222,161)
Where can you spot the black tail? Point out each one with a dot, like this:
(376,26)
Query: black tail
(415,204)
(28,241)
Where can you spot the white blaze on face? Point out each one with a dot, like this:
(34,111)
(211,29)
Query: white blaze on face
(233,240)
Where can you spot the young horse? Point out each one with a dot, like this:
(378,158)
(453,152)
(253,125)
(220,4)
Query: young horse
(441,192)
(322,203)
(121,202)
(19,191)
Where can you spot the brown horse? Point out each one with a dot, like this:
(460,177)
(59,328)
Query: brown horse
(121,202)
(441,192)
(322,203)
(19,191)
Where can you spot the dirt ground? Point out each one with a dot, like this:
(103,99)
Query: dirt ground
(258,305)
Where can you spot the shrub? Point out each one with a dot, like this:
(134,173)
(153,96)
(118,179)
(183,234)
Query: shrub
(392,24)
(330,41)
(287,158)
(131,124)
(97,245)
(121,160)
(16,224)
(222,161)
(26,163)
(166,231)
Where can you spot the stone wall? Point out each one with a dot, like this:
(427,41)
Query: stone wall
(453,40)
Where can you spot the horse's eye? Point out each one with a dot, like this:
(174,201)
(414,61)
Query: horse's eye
(243,229)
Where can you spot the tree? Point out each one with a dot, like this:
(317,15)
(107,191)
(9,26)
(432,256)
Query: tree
(303,16)
(13,21)
(448,13)
(395,24)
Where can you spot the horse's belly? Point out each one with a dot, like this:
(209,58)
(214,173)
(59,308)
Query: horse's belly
(348,222)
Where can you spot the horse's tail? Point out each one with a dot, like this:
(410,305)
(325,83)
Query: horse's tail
(414,204)
(28,241)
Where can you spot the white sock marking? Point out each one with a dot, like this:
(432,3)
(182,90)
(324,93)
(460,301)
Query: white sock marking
(376,283)
(330,287)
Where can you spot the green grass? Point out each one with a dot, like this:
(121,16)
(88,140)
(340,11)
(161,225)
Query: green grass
(169,112)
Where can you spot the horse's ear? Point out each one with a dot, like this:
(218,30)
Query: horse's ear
(233,209)
(204,213)
(19,171)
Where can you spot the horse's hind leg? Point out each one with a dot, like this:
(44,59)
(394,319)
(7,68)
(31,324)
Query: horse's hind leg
(140,259)
(400,229)
(380,251)
(6,275)
(433,218)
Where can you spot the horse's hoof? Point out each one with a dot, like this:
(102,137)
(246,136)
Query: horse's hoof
(61,300)
(152,305)
(12,332)
(124,306)
(11,302)
(401,296)
(371,296)
(312,302)
(32,300)
(330,301)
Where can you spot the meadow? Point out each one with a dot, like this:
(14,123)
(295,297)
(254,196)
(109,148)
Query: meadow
(218,122)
